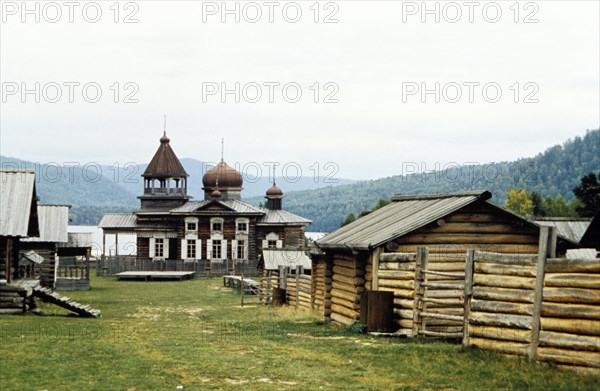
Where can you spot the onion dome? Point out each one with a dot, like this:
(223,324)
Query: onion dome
(223,175)
(274,191)
(215,193)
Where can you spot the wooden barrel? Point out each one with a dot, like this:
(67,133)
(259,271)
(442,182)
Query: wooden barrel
(278,297)
(377,311)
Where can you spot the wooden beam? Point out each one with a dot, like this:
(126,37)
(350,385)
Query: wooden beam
(469,271)
(546,234)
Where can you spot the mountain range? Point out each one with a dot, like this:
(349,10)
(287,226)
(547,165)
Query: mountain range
(93,190)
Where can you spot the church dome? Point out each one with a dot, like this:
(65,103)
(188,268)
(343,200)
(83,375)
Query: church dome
(222,176)
(274,191)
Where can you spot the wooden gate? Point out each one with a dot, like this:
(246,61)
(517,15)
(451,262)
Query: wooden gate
(439,299)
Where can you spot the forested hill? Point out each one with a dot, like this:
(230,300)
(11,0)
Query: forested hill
(554,172)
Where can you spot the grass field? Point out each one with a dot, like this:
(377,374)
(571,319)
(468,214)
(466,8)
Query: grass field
(194,334)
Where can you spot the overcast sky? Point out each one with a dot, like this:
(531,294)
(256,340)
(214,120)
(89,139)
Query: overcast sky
(371,65)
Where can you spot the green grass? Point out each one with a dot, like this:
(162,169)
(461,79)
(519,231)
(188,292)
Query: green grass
(160,335)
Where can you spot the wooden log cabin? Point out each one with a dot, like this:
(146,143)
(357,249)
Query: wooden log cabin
(446,224)
(18,219)
(170,226)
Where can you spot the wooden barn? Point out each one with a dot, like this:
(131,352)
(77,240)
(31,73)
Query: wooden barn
(18,218)
(381,250)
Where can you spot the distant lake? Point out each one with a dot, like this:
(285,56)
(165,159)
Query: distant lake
(127,243)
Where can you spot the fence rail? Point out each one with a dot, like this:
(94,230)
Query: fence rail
(109,266)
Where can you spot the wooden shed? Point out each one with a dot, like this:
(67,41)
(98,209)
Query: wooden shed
(443,225)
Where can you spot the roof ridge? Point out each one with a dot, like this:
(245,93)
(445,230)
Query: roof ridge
(481,194)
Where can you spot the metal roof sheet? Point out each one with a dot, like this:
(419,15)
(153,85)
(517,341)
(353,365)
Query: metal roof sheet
(118,220)
(235,205)
(403,215)
(53,222)
(289,258)
(17,193)
(569,229)
(272,217)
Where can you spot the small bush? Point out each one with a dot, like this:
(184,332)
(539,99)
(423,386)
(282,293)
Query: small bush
(357,327)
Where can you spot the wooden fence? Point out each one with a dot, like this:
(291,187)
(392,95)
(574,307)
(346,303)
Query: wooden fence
(536,305)
(109,266)
(297,283)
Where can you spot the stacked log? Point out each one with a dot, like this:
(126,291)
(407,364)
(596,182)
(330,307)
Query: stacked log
(322,287)
(570,313)
(347,283)
(396,273)
(502,304)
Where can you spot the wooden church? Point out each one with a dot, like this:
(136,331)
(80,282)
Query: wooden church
(171,226)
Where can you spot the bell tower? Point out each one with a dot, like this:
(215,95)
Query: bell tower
(165,180)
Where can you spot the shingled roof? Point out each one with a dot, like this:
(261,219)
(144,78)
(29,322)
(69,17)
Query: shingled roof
(165,163)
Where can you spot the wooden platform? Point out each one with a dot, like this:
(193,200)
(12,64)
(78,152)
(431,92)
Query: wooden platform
(148,276)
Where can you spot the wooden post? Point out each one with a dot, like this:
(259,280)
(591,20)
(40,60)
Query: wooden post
(242,288)
(469,269)
(298,271)
(9,256)
(375,268)
(544,249)
(420,264)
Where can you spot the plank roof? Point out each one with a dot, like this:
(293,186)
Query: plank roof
(235,206)
(283,217)
(165,163)
(53,223)
(18,204)
(572,229)
(403,215)
(118,221)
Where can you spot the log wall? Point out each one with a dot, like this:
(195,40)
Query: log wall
(347,283)
(396,273)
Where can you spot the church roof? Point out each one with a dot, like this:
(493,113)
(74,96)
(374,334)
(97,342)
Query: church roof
(165,163)
(235,206)
(274,217)
(222,176)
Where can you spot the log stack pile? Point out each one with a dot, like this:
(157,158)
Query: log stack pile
(501,310)
(570,313)
(347,283)
(396,273)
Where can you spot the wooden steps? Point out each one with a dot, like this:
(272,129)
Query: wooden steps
(48,296)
